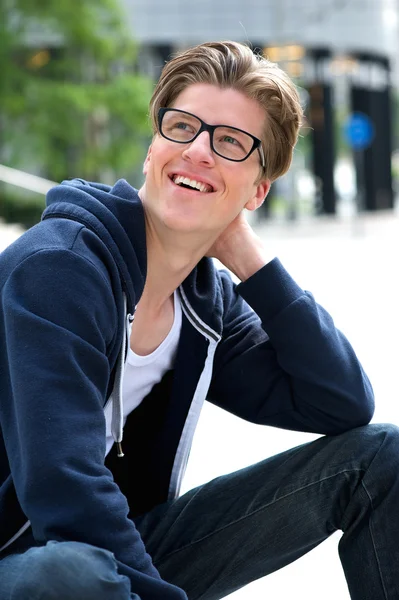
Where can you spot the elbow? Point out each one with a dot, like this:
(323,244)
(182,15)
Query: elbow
(363,417)
(363,408)
(367,412)
(356,409)
(368,404)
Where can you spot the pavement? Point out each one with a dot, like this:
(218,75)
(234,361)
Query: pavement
(350,264)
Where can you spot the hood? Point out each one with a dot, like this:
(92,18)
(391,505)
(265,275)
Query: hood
(116,215)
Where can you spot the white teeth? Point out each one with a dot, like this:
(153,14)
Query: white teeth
(202,187)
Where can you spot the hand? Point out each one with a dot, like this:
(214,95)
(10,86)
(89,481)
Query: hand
(239,249)
(225,244)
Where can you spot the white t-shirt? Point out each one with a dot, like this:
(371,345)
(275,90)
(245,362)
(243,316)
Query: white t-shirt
(143,372)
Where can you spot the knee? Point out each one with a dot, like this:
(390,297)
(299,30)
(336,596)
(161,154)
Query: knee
(388,435)
(385,435)
(381,440)
(70,570)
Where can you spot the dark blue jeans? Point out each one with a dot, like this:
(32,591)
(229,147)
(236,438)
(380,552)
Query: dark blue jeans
(240,527)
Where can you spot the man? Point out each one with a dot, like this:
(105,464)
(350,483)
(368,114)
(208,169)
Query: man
(116,326)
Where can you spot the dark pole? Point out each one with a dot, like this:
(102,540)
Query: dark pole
(371,95)
(321,121)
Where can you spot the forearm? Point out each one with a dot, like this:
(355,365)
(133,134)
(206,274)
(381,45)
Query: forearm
(296,371)
(327,381)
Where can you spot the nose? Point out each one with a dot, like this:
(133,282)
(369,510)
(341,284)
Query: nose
(200,151)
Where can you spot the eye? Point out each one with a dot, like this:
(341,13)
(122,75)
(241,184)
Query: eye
(184,126)
(230,140)
(233,141)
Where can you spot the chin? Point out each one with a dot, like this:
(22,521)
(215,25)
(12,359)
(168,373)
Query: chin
(183,224)
(183,218)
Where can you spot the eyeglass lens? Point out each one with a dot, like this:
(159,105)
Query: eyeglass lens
(228,142)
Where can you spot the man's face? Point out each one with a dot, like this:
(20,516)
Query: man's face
(229,186)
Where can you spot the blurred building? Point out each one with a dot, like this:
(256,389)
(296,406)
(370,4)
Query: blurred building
(341,25)
(343,52)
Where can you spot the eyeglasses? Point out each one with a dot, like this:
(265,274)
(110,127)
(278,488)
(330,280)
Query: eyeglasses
(228,142)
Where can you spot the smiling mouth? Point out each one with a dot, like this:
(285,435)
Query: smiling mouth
(191,184)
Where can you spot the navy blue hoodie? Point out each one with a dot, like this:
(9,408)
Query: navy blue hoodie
(263,350)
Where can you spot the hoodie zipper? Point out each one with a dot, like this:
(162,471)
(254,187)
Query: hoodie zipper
(125,350)
(116,395)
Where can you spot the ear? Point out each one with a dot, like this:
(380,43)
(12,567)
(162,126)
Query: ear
(262,189)
(147,160)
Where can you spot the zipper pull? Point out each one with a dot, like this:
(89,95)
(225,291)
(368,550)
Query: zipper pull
(120,451)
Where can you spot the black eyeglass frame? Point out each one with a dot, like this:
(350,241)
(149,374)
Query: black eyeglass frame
(257,143)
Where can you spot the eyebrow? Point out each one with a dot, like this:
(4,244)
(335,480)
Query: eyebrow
(216,124)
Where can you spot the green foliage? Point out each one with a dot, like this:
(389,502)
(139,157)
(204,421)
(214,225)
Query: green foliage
(17,207)
(70,102)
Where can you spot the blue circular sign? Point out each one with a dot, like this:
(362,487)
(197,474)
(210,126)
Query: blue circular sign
(359,130)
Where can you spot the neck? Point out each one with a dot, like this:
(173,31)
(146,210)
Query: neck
(171,257)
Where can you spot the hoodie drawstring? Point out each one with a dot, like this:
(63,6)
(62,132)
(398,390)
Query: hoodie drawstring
(116,395)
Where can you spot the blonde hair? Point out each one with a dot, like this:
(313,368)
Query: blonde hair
(234,65)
